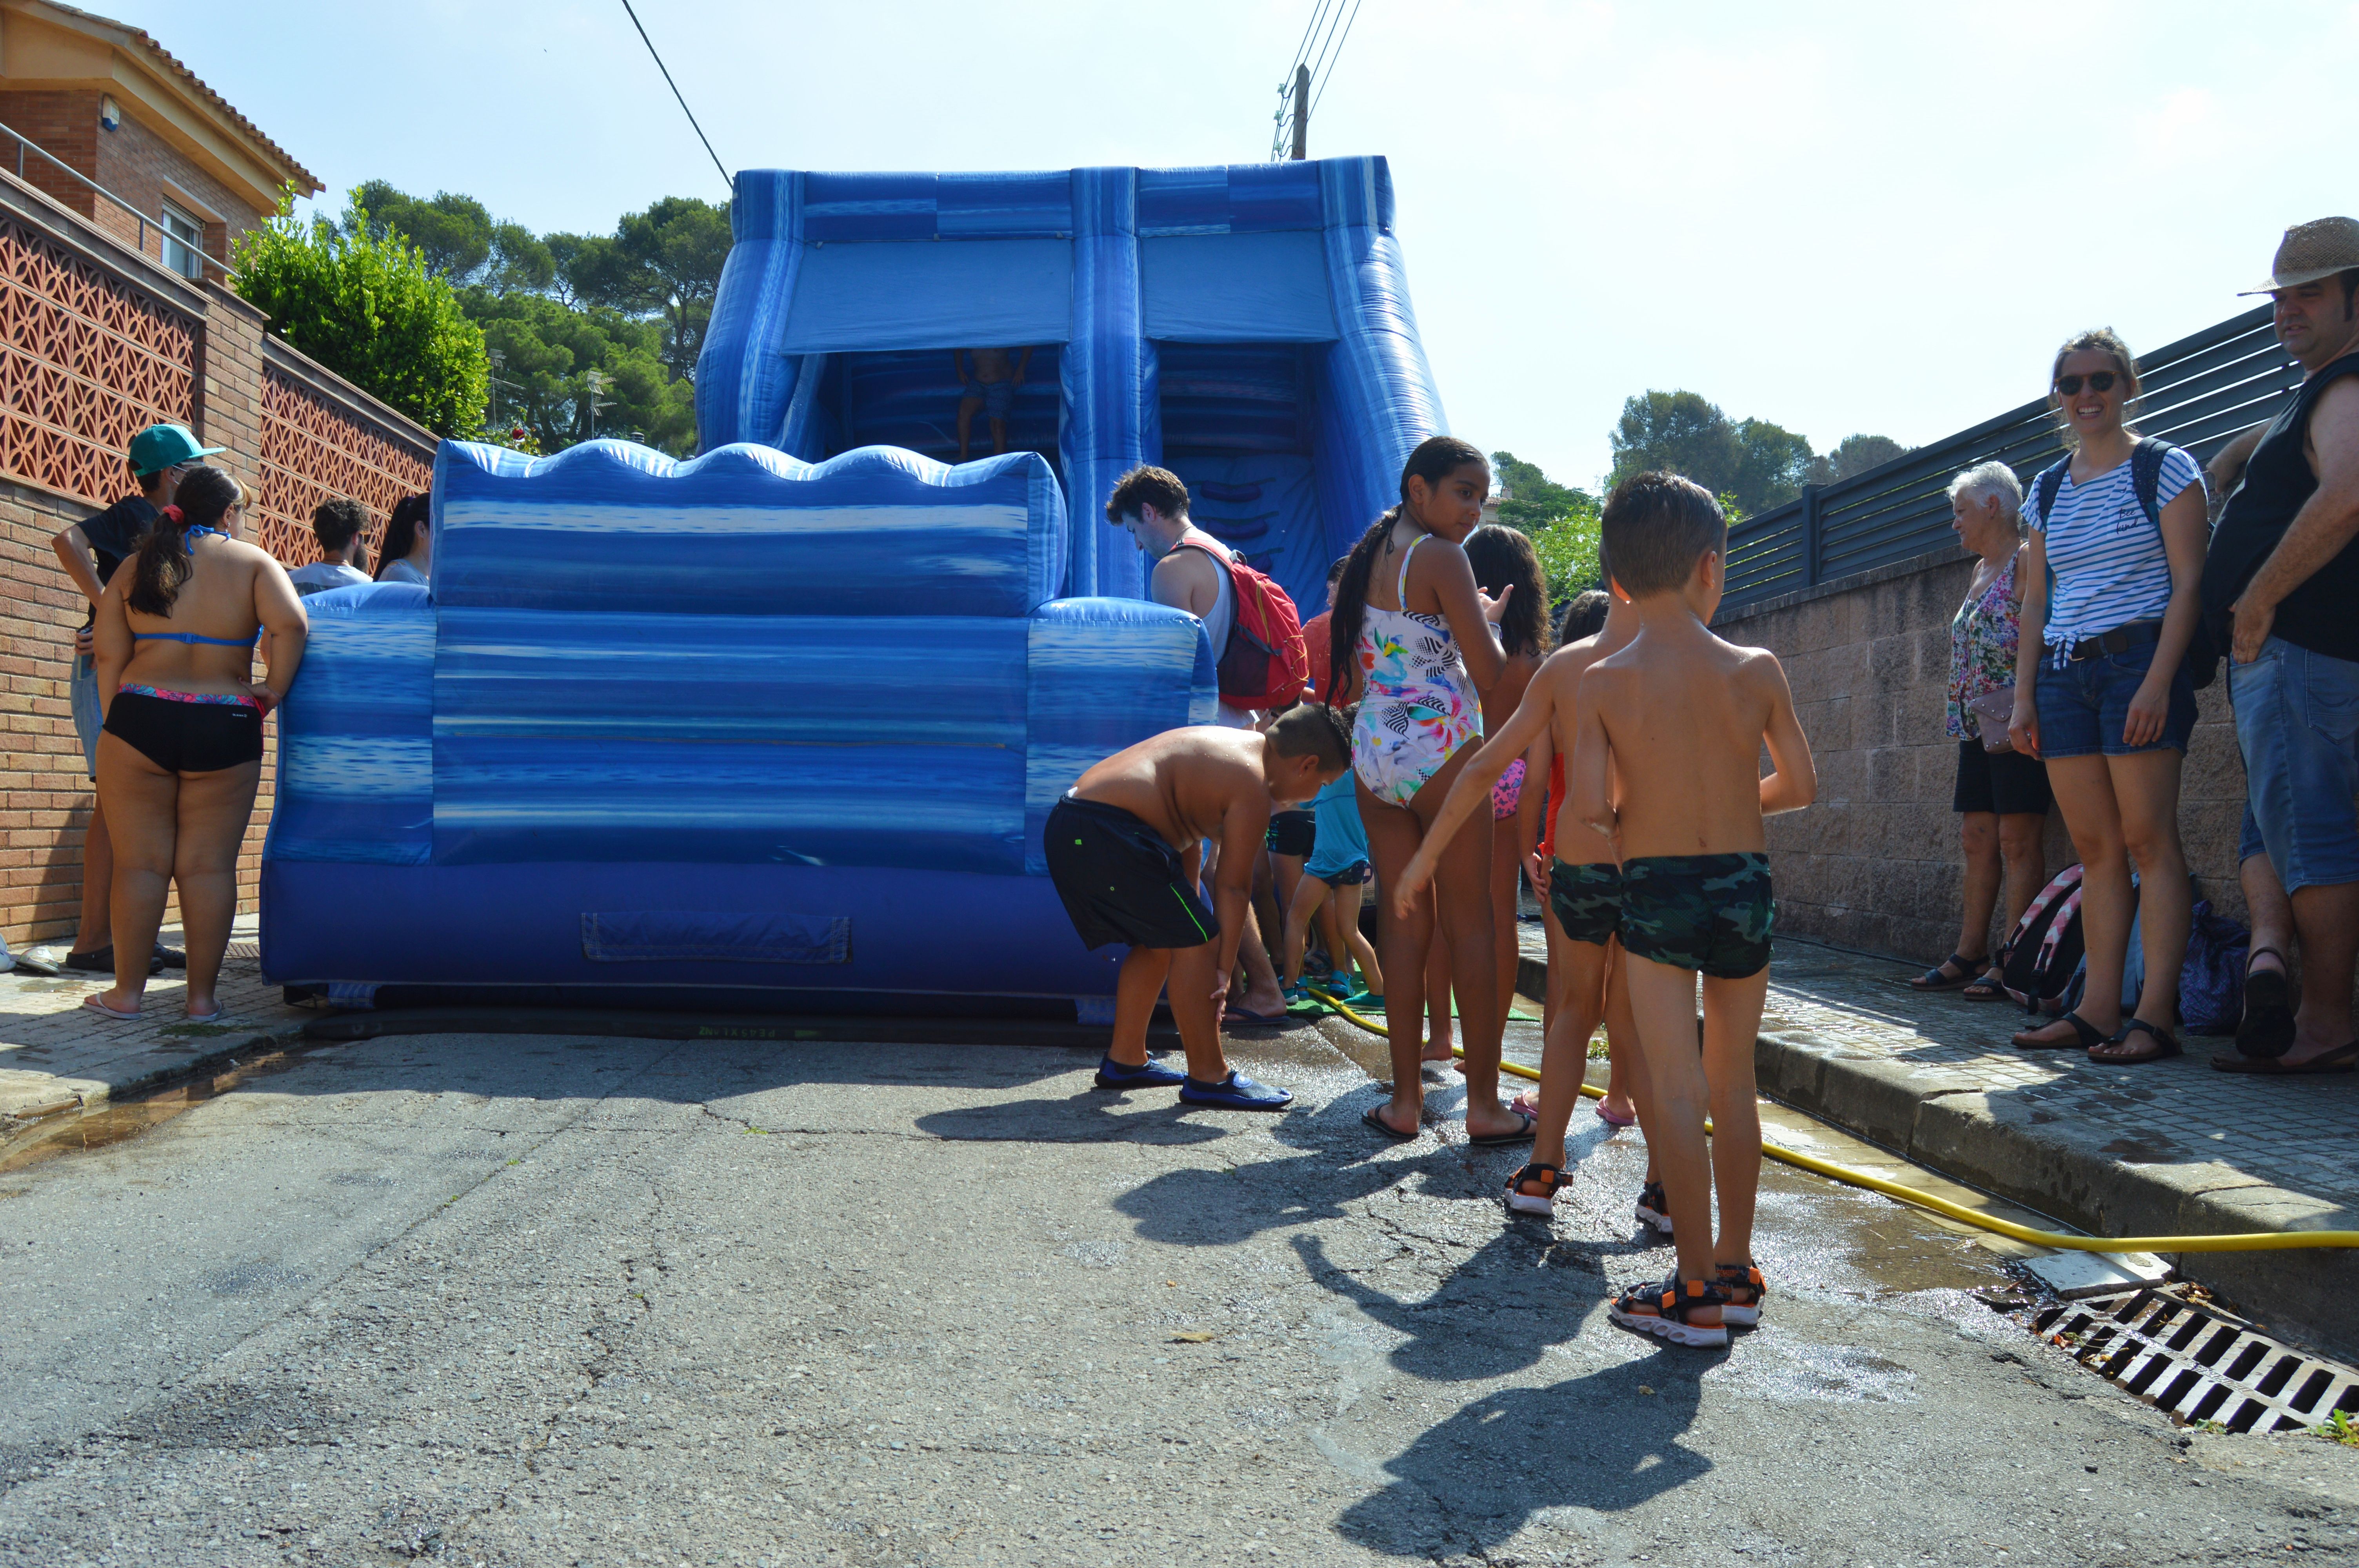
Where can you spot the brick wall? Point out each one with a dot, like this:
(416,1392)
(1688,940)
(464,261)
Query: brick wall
(66,126)
(144,169)
(1875,864)
(99,343)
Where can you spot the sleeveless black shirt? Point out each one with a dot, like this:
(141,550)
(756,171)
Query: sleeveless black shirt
(2323,613)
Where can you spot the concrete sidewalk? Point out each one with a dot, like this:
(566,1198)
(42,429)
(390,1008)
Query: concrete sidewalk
(2169,1148)
(54,1054)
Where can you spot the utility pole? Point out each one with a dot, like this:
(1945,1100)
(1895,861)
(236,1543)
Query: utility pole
(1301,112)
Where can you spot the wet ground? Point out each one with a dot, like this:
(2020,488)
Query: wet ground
(524,1301)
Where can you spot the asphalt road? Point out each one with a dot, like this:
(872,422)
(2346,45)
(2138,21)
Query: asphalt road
(527,1300)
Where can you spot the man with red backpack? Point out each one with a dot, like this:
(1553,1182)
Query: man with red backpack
(1256,641)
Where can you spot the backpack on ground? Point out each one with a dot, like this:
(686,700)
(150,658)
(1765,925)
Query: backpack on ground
(1264,664)
(2044,950)
(2202,660)
(2211,982)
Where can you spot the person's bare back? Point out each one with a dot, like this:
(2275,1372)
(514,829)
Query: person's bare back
(1684,715)
(1189,785)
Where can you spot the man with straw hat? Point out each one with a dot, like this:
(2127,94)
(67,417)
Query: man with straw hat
(2281,590)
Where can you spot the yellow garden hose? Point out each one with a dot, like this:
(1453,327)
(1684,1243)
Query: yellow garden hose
(2250,1241)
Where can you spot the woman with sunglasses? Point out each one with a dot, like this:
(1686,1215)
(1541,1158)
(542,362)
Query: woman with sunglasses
(2110,599)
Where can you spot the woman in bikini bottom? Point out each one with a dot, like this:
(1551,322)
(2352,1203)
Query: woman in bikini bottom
(180,753)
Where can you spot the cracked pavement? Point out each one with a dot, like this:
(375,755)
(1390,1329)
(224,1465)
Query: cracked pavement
(529,1300)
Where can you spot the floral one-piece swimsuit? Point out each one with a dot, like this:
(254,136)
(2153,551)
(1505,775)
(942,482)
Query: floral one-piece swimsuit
(1419,705)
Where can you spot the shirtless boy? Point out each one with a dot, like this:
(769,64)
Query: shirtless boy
(1584,894)
(1680,717)
(1125,848)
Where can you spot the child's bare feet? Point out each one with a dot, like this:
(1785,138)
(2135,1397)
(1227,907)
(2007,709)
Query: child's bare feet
(1437,1049)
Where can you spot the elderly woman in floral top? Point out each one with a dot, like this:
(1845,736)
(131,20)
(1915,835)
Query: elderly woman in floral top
(2002,797)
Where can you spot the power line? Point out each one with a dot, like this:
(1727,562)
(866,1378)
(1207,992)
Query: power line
(1333,17)
(725,177)
(1339,54)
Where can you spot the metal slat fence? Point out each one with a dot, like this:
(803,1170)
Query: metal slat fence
(2197,393)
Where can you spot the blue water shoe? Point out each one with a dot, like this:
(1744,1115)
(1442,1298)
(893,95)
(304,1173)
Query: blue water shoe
(1114,1075)
(1235,1092)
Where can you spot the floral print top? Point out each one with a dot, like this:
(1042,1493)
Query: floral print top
(1418,704)
(1982,649)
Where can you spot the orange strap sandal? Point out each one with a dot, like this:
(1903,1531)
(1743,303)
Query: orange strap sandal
(1548,1178)
(1743,1286)
(1664,1310)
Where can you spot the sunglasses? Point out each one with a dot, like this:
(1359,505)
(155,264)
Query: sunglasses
(2099,380)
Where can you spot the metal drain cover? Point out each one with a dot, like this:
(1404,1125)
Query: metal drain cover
(2198,1363)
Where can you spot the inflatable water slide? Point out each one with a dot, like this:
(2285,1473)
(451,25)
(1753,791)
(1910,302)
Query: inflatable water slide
(776,728)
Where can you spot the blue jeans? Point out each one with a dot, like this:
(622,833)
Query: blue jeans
(2084,706)
(2298,725)
(81,691)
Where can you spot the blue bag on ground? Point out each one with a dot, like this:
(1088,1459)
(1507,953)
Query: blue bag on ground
(2212,981)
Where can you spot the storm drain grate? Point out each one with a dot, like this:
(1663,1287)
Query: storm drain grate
(2198,1363)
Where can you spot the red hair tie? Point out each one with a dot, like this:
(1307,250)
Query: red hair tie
(173,515)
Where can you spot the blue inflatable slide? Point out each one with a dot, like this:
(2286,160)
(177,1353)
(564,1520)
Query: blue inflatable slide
(776,728)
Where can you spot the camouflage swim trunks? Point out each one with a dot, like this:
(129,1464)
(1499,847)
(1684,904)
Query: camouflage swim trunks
(1587,900)
(1711,913)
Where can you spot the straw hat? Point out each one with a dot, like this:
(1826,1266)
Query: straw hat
(2320,248)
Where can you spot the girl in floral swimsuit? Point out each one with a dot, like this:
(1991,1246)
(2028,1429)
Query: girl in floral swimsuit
(1422,661)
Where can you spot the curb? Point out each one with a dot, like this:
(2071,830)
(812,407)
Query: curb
(1949,1124)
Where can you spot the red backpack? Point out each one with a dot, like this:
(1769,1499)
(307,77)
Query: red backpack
(1264,664)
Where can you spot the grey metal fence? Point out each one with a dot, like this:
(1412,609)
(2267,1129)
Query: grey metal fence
(2198,392)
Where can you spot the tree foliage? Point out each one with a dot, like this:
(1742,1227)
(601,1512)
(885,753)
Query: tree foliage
(1529,499)
(1568,551)
(368,307)
(1751,465)
(631,306)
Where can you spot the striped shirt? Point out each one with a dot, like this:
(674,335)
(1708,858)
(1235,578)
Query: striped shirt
(2106,555)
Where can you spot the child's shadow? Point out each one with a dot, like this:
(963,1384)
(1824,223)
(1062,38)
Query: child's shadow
(1493,1316)
(1591,1444)
(1093,1116)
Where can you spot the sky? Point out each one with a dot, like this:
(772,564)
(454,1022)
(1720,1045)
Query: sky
(1838,217)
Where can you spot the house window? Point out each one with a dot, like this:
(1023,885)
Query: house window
(184,243)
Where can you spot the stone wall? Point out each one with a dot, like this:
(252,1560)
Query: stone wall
(1875,863)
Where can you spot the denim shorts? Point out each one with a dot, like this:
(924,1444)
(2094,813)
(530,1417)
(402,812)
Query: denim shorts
(83,692)
(2084,706)
(2297,724)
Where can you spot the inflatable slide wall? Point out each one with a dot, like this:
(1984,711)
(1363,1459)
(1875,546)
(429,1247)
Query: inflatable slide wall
(776,727)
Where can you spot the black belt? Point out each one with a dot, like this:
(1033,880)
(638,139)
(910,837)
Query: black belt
(2120,640)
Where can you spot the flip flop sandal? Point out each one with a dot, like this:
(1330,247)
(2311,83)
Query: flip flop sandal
(1522,1134)
(2085,1034)
(1242,1018)
(1610,1119)
(2265,1029)
(1935,980)
(1549,1178)
(1370,1117)
(97,1006)
(213,1017)
(2164,1045)
(2342,1059)
(1663,1310)
(1988,988)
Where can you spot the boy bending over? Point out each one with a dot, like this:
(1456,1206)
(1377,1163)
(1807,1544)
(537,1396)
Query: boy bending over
(1585,893)
(1681,717)
(1125,848)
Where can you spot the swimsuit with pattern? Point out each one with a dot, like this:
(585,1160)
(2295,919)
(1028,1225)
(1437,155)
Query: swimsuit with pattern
(1419,705)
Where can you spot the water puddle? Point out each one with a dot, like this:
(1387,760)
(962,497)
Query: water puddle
(112,1121)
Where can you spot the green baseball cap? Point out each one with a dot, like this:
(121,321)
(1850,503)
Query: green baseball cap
(160,446)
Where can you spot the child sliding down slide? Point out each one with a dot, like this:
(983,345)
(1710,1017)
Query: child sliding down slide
(1124,849)
(1679,718)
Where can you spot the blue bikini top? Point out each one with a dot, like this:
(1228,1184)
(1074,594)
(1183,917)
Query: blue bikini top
(199,531)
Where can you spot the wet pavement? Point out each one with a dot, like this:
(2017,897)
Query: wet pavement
(525,1301)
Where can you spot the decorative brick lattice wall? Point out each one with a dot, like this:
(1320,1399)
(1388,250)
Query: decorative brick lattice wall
(87,361)
(313,451)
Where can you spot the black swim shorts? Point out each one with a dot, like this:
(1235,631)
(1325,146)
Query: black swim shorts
(1293,833)
(1711,913)
(1120,882)
(1586,900)
(186,732)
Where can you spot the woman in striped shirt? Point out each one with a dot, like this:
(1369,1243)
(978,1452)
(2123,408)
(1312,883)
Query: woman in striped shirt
(2110,601)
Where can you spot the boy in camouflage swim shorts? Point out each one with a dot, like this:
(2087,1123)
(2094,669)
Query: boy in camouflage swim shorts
(1664,763)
